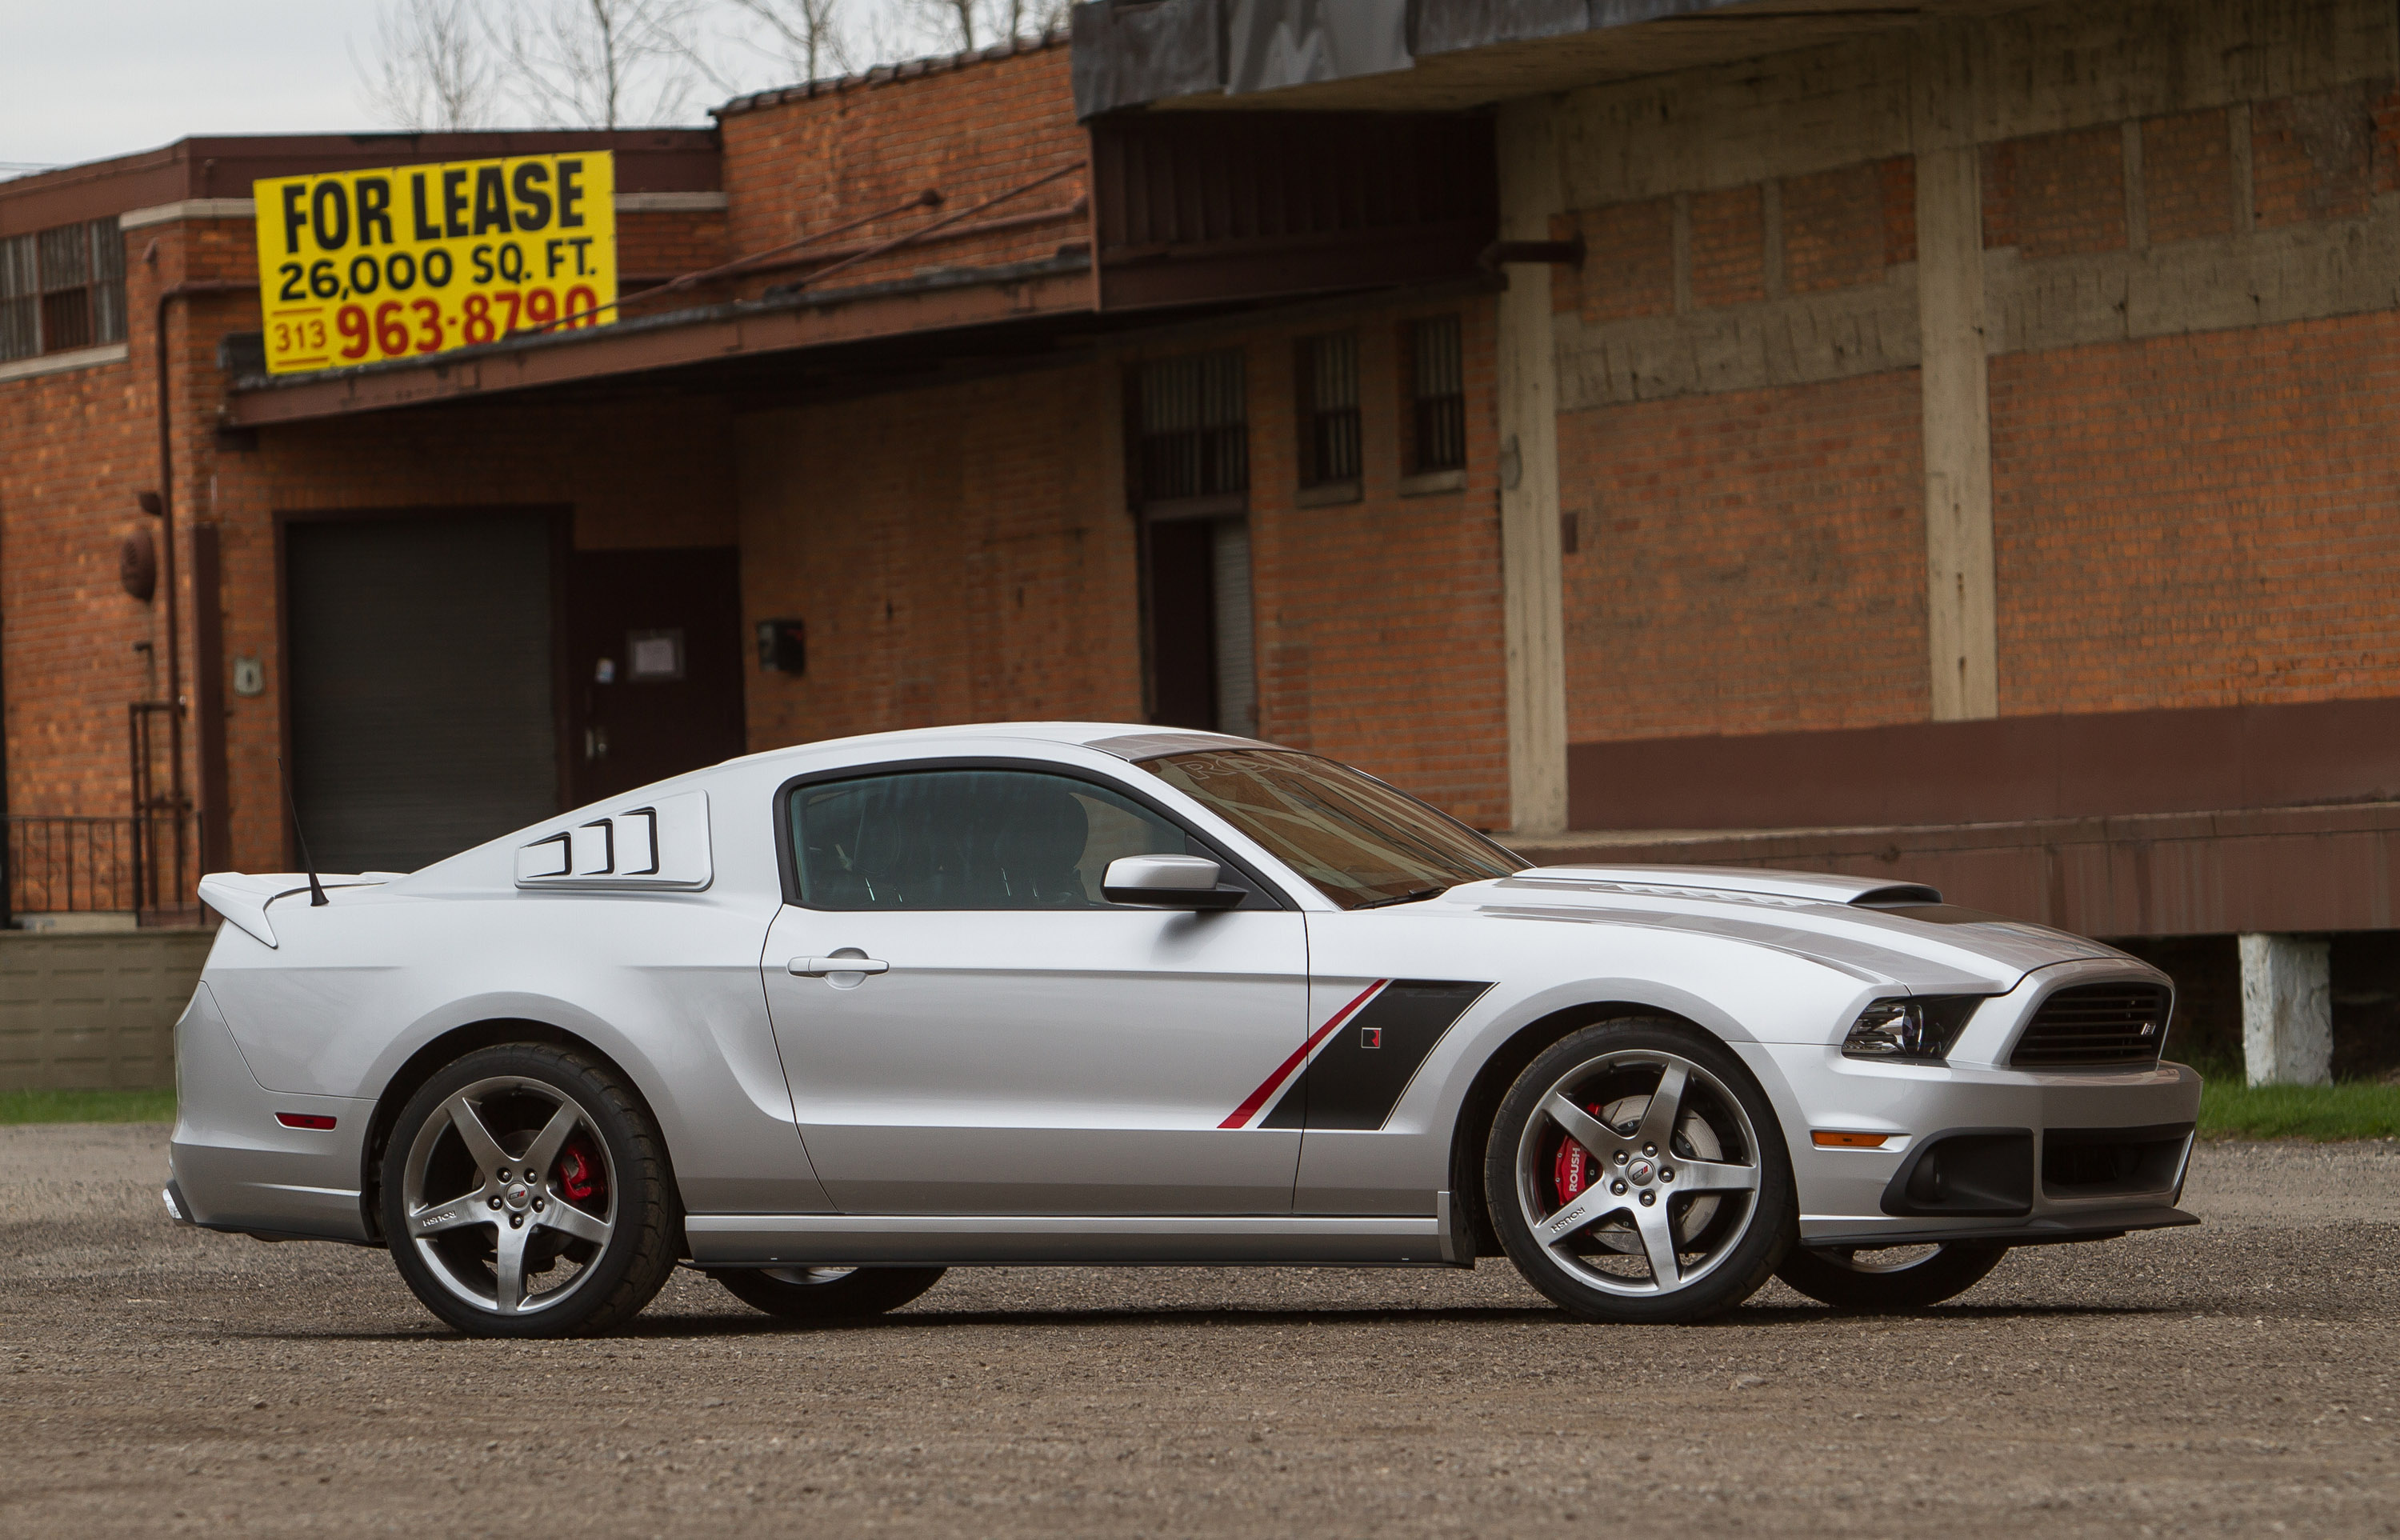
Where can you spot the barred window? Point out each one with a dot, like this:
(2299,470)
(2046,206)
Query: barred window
(1438,396)
(1195,428)
(1329,409)
(61,289)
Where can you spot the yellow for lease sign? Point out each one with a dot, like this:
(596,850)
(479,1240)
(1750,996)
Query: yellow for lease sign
(356,266)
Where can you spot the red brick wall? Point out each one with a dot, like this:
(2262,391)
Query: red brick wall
(2200,521)
(1629,266)
(1379,621)
(74,453)
(971,131)
(1748,562)
(2056,195)
(1834,233)
(2188,176)
(959,555)
(2314,157)
(1728,247)
(669,245)
(966,553)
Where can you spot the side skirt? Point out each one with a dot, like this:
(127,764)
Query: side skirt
(969,1240)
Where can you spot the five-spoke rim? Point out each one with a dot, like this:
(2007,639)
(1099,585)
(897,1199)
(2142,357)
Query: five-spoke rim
(489,1206)
(1669,1184)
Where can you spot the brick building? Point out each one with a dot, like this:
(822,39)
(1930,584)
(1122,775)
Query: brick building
(1954,440)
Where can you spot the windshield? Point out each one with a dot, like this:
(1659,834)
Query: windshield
(1358,840)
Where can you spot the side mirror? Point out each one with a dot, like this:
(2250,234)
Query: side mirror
(1168,883)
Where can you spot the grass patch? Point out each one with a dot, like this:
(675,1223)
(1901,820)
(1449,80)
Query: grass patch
(2230,1108)
(86,1107)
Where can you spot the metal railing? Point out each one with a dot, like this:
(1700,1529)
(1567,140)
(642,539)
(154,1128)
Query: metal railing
(144,865)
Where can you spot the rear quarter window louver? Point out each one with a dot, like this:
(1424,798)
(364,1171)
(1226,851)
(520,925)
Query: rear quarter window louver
(2093,1025)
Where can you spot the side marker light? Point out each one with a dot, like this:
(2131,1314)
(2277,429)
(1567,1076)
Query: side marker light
(304,1120)
(1828,1139)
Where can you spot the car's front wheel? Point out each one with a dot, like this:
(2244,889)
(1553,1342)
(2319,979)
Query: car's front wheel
(526,1194)
(828,1294)
(1891,1277)
(1636,1172)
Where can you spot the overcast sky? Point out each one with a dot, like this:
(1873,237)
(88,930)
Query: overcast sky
(85,79)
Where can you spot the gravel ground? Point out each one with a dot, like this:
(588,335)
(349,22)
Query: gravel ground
(2233,1379)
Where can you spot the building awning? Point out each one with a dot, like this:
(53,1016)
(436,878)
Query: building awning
(1436,55)
(766,342)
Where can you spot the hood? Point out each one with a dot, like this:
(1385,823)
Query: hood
(1889,933)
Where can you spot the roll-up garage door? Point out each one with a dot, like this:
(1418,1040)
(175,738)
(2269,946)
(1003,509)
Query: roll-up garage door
(422,682)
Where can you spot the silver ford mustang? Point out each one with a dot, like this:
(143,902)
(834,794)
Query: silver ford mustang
(826,1021)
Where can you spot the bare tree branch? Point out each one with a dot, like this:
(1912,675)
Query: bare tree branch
(430,71)
(598,64)
(809,31)
(953,20)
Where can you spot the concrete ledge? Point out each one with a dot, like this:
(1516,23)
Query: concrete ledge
(59,363)
(94,1011)
(2281,869)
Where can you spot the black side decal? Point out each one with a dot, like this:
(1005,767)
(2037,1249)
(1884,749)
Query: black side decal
(1356,1078)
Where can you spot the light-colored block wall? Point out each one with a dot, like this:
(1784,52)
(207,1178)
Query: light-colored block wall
(94,1012)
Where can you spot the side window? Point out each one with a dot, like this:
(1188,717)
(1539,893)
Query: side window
(967,839)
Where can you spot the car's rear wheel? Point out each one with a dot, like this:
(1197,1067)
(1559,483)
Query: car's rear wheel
(828,1294)
(1888,1277)
(526,1194)
(1636,1172)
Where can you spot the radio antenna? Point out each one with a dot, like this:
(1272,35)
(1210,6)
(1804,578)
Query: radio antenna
(316,889)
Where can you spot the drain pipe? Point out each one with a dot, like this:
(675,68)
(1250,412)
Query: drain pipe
(166,511)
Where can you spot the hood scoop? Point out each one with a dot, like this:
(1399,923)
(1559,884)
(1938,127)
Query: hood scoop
(1752,884)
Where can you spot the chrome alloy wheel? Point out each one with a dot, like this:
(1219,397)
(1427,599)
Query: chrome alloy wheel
(1677,1165)
(491,1203)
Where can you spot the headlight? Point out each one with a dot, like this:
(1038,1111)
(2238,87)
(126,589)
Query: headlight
(1919,1029)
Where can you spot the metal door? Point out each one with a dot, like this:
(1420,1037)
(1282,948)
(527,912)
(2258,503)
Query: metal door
(421,672)
(1084,1060)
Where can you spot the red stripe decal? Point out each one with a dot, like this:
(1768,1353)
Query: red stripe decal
(1251,1103)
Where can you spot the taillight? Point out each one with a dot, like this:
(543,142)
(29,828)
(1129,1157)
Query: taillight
(304,1120)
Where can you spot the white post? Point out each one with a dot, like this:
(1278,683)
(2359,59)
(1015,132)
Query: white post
(1530,554)
(2287,1010)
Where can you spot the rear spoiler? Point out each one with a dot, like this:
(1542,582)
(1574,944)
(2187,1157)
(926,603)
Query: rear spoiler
(242,897)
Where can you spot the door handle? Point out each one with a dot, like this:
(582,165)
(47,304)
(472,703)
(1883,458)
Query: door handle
(817,967)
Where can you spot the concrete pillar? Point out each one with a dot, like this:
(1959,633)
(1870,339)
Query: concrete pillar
(1961,628)
(1533,618)
(2287,1010)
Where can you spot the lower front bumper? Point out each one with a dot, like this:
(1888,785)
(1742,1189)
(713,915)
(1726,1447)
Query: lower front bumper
(1847,1196)
(2054,1230)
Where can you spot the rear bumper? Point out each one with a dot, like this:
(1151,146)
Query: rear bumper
(2055,1119)
(232,1166)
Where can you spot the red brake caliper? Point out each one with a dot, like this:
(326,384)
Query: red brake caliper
(579,1172)
(1577,1168)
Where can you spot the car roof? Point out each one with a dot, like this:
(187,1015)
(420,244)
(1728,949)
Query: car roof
(1126,739)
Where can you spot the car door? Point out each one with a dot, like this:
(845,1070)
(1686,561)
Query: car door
(1013,1044)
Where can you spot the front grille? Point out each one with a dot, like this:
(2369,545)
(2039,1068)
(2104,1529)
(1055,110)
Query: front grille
(2095,1024)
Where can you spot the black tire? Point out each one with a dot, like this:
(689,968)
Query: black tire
(618,1199)
(1837,1279)
(828,1294)
(1740,1237)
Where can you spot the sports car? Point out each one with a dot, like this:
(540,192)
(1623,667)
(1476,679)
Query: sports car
(826,1021)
